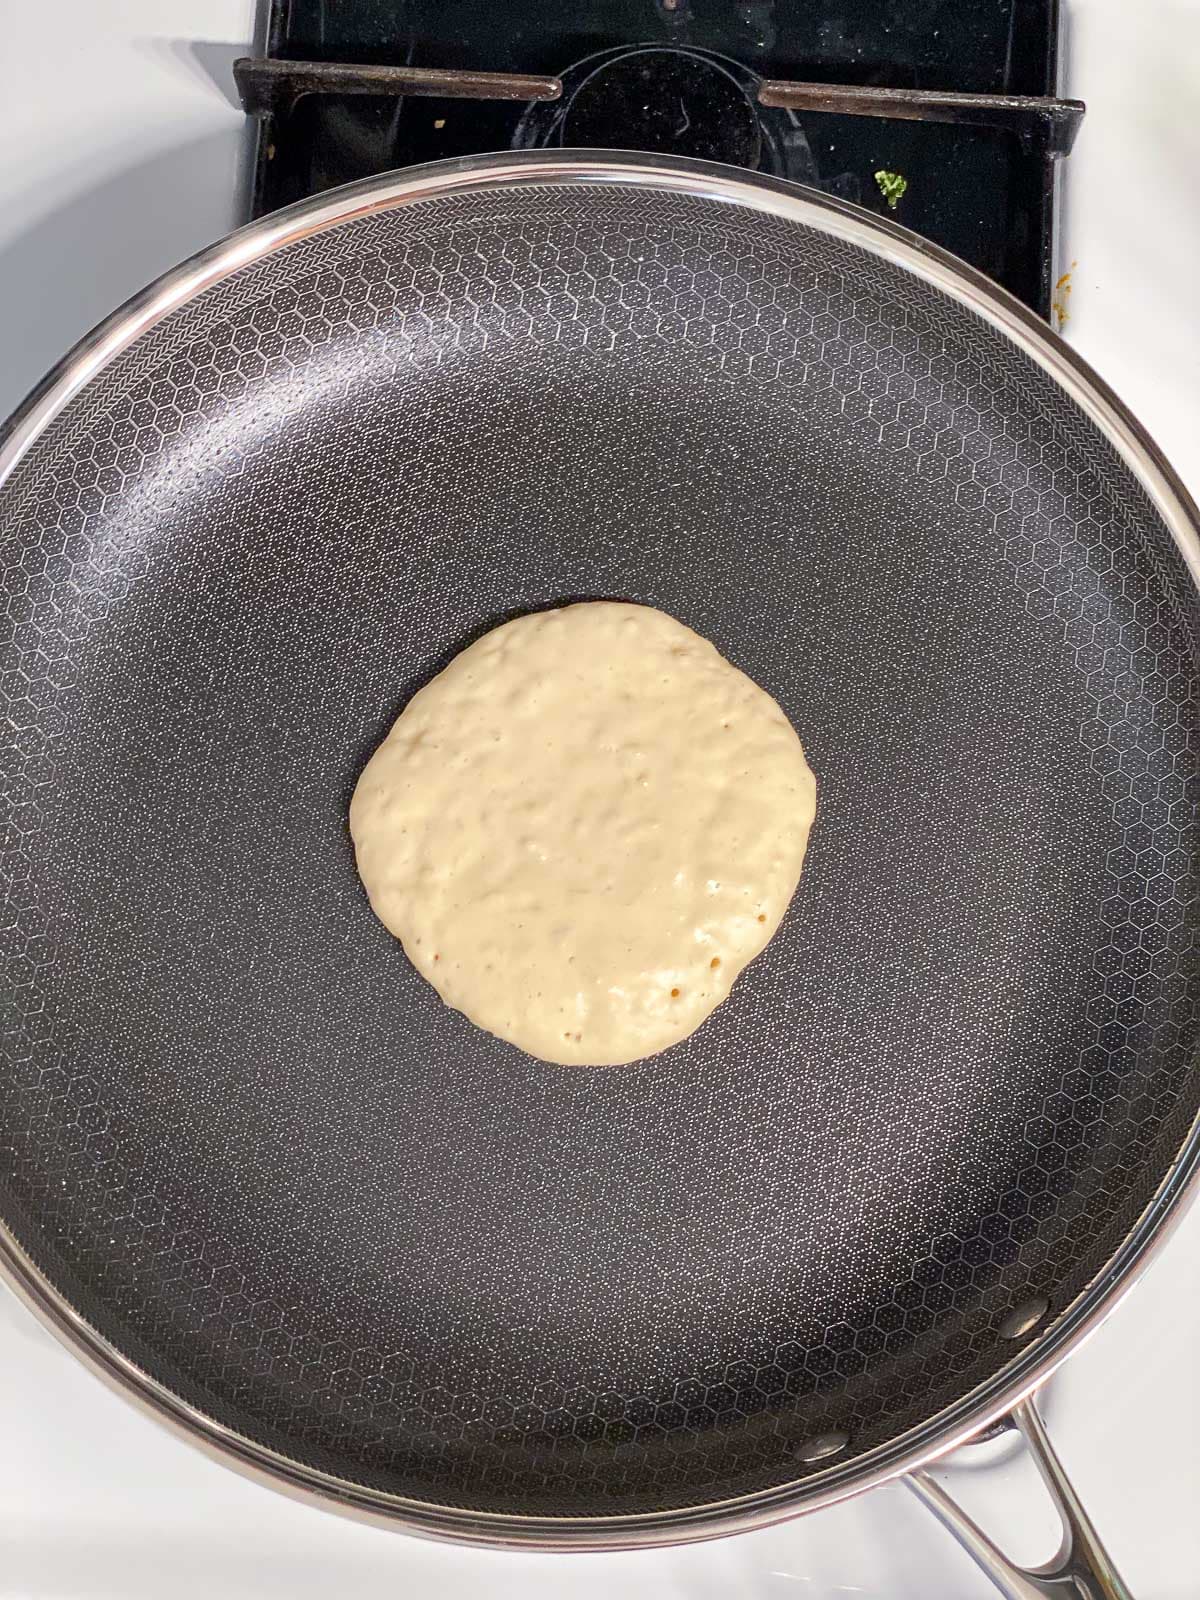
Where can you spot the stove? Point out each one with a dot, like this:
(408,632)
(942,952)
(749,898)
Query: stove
(939,113)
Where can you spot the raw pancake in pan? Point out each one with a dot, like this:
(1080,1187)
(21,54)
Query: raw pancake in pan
(584,828)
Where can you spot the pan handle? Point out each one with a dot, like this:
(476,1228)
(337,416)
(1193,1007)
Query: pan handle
(1082,1569)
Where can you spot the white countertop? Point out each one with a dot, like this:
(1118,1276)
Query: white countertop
(122,157)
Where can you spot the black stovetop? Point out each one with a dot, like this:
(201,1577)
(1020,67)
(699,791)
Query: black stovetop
(681,75)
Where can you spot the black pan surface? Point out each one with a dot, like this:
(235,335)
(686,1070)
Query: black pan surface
(249,1145)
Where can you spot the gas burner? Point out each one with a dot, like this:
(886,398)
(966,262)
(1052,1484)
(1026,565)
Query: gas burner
(683,102)
(958,100)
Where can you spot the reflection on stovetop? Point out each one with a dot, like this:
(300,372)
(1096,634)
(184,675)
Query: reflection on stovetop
(687,77)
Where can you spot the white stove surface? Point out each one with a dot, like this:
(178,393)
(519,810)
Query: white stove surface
(122,157)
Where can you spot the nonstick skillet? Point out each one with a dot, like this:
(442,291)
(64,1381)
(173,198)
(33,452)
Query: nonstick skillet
(256,1173)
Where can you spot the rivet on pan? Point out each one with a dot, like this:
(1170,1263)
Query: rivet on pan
(1025,1317)
(822,1445)
(992,1431)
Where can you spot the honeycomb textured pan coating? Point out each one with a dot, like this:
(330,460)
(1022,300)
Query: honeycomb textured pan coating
(244,1138)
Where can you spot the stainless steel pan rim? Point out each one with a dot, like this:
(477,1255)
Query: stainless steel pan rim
(1029,1369)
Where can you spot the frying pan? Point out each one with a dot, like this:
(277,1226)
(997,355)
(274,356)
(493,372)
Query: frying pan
(255,1172)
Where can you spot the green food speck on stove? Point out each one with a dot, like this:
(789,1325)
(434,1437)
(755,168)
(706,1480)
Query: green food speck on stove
(891,186)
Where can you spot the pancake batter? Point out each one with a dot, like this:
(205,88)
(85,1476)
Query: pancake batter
(583,829)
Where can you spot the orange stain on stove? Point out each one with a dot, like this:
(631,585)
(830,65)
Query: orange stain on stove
(1062,295)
